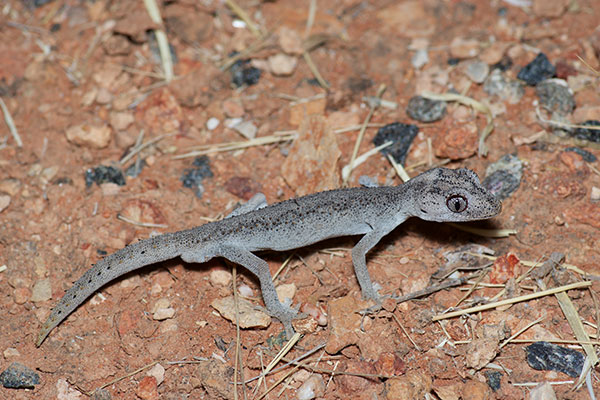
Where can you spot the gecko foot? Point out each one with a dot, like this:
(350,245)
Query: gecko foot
(285,315)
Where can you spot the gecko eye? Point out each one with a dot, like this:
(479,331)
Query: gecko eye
(457,203)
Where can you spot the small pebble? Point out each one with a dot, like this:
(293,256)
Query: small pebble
(10,186)
(120,120)
(504,176)
(367,181)
(247,129)
(4,202)
(102,174)
(595,194)
(220,277)
(11,352)
(477,71)
(249,316)
(545,356)
(555,96)
(147,389)
(313,387)
(19,376)
(402,136)
(286,292)
(163,313)
(592,135)
(158,372)
(461,48)
(42,291)
(93,136)
(420,58)
(425,110)
(542,391)
(290,41)
(245,291)
(282,64)
(212,123)
(22,294)
(505,88)
(537,70)
(493,379)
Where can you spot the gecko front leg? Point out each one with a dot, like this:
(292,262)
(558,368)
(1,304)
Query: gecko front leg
(359,252)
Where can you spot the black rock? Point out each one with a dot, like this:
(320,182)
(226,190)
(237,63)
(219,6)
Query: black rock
(493,379)
(545,356)
(591,135)
(425,110)
(587,156)
(504,176)
(192,177)
(402,135)
(537,70)
(104,174)
(19,376)
(244,74)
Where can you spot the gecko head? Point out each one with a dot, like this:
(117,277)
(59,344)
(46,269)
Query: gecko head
(452,195)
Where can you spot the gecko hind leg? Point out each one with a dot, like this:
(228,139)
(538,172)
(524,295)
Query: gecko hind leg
(260,268)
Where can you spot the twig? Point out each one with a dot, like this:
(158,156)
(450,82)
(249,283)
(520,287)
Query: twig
(10,123)
(510,339)
(361,133)
(132,373)
(347,170)
(577,285)
(406,333)
(230,146)
(137,223)
(432,289)
(239,11)
(161,39)
(137,148)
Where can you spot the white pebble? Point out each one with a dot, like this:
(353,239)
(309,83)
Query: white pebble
(212,123)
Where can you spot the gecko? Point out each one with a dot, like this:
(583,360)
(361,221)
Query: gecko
(440,195)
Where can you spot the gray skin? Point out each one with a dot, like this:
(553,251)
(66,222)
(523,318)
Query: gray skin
(440,194)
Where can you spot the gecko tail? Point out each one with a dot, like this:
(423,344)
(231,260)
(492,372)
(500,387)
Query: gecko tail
(128,259)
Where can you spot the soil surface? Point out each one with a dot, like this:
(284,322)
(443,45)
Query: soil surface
(288,87)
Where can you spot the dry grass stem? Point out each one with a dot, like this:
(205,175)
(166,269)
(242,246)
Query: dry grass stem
(241,13)
(361,134)
(400,171)
(577,285)
(231,146)
(10,124)
(138,223)
(347,170)
(516,334)
(161,39)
